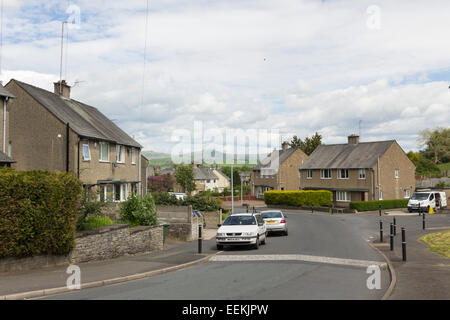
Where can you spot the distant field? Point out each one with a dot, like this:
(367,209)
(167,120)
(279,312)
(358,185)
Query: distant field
(163,163)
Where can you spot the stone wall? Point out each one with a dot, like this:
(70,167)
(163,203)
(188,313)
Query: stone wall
(178,214)
(99,244)
(184,231)
(115,241)
(212,219)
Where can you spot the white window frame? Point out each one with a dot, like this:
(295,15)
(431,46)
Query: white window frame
(133,156)
(86,144)
(339,173)
(396,173)
(363,172)
(100,151)
(120,153)
(406,193)
(123,192)
(343,196)
(322,176)
(308,174)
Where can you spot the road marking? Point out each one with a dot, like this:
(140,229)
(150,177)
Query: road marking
(297,257)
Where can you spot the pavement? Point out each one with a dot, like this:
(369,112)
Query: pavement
(99,273)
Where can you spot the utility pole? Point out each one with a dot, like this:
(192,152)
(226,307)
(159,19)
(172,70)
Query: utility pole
(232,190)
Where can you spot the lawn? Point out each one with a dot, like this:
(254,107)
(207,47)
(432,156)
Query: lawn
(438,242)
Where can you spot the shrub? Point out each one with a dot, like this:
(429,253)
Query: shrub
(166,199)
(374,205)
(203,203)
(38,212)
(304,198)
(139,211)
(89,206)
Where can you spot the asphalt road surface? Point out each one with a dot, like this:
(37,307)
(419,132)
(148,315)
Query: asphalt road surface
(319,235)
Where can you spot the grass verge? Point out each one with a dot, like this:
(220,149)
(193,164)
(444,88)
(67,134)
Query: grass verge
(438,242)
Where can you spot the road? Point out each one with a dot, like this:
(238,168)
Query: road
(319,235)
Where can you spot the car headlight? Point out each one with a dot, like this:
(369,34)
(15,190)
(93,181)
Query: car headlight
(249,233)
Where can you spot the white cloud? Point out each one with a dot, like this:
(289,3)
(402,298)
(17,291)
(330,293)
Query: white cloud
(297,65)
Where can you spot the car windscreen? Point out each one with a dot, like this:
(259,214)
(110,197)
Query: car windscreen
(239,220)
(420,196)
(273,214)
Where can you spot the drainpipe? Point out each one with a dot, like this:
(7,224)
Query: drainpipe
(373,184)
(78,161)
(140,173)
(4,124)
(378,178)
(67,146)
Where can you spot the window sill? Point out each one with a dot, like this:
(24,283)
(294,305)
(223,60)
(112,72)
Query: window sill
(103,161)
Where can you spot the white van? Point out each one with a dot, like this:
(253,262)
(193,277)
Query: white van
(179,195)
(426,199)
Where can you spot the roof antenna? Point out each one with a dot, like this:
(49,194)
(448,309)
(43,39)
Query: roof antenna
(359,127)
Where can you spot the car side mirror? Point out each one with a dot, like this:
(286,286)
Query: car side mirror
(219,225)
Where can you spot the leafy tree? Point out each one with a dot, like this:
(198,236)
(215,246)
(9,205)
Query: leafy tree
(436,143)
(184,175)
(164,182)
(139,211)
(308,145)
(423,165)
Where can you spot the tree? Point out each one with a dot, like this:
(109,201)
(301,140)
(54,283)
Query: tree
(161,183)
(308,145)
(184,175)
(424,166)
(436,143)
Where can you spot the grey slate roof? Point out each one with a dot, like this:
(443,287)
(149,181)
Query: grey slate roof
(363,155)
(85,120)
(5,93)
(5,159)
(282,156)
(204,173)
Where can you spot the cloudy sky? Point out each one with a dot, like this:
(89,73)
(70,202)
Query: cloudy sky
(299,66)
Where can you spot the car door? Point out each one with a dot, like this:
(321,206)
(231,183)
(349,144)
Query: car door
(261,225)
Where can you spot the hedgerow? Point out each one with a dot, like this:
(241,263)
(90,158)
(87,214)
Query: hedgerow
(38,212)
(303,198)
(374,205)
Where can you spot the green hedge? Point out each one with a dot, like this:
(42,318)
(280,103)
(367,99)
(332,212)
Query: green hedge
(305,198)
(38,212)
(374,205)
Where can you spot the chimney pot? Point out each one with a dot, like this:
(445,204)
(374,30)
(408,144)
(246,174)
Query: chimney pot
(62,89)
(353,139)
(285,145)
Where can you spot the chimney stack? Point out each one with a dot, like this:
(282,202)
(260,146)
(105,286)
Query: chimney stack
(353,139)
(62,89)
(285,145)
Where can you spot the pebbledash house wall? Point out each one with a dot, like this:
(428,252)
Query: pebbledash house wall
(392,188)
(100,244)
(39,141)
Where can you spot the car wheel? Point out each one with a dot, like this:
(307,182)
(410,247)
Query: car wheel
(409,210)
(220,247)
(257,244)
(265,237)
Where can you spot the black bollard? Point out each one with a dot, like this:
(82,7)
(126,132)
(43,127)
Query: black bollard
(392,237)
(379,209)
(395,227)
(199,238)
(404,244)
(423,221)
(312,209)
(381,231)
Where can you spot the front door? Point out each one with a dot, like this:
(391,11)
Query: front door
(363,198)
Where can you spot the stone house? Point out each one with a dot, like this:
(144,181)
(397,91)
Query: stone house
(278,171)
(204,179)
(223,180)
(50,131)
(359,171)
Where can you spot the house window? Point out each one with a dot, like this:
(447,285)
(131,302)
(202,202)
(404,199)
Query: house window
(342,196)
(407,193)
(134,188)
(117,192)
(362,174)
(342,173)
(106,192)
(86,152)
(133,156)
(10,149)
(396,173)
(120,154)
(123,192)
(325,174)
(104,151)
(308,174)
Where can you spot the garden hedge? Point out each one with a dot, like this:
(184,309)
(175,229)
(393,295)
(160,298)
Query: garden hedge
(38,212)
(304,198)
(374,205)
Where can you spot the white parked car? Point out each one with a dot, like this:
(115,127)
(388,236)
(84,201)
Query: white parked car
(179,195)
(427,199)
(242,229)
(275,221)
